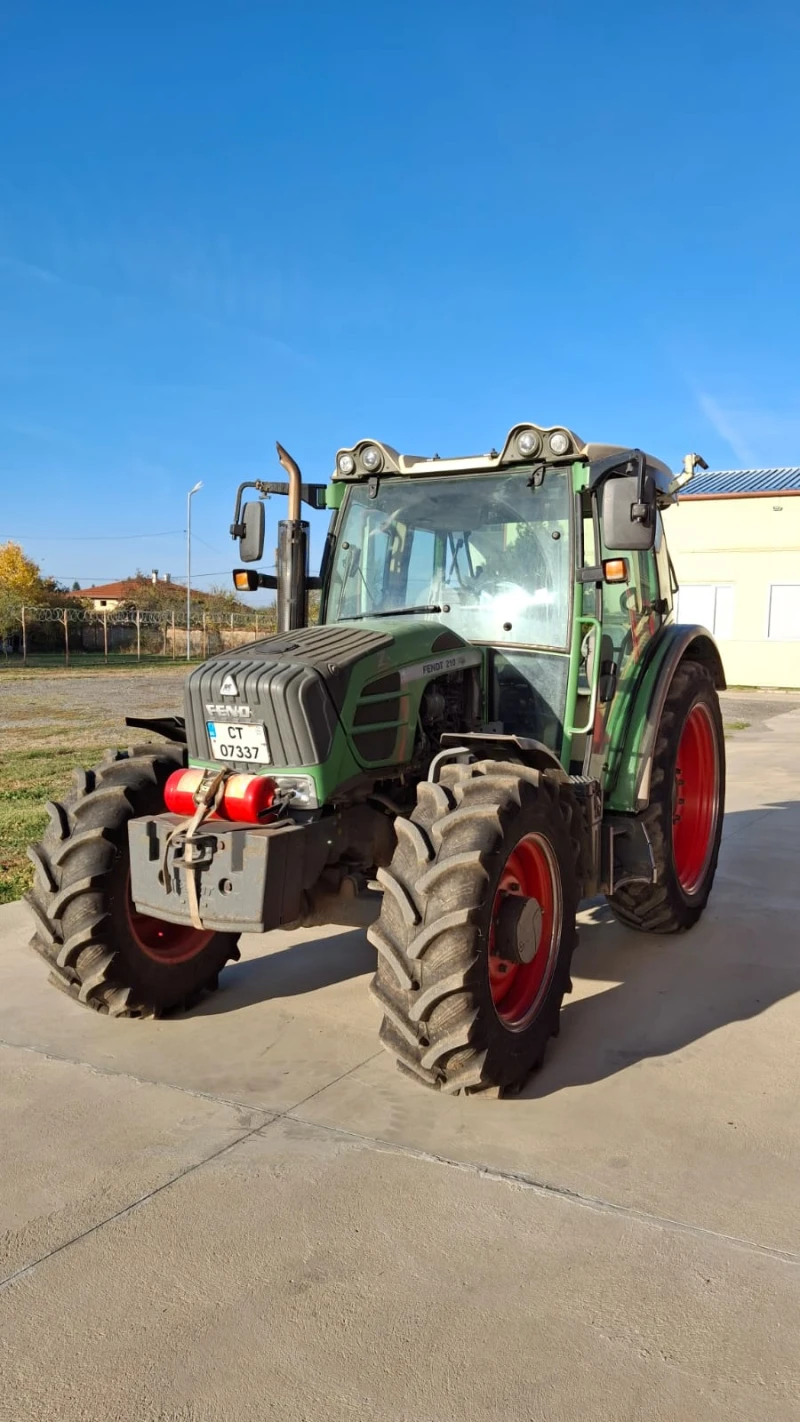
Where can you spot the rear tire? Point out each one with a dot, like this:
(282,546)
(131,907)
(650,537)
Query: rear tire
(456,1017)
(684,817)
(98,948)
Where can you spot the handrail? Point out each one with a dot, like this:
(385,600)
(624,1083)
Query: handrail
(593,623)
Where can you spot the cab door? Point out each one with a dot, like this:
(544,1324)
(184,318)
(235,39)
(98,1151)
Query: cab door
(633,611)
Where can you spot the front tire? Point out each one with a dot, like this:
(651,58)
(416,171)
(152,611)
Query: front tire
(457,1015)
(99,949)
(684,817)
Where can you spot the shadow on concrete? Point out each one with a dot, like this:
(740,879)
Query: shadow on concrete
(660,994)
(655,995)
(301,968)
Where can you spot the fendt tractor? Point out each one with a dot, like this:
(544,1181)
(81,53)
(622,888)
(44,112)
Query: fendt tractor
(495,717)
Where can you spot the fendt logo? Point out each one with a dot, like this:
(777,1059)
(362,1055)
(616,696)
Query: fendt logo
(224,708)
(229,687)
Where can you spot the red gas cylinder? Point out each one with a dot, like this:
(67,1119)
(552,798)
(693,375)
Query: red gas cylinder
(180,790)
(248,797)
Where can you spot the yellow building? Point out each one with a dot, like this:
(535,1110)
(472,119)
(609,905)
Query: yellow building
(735,543)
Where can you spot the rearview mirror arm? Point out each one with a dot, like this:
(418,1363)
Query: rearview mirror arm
(631,461)
(237,527)
(311,494)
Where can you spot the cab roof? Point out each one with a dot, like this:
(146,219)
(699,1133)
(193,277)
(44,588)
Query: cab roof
(382,459)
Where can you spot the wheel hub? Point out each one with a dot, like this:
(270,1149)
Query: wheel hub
(525,932)
(518,930)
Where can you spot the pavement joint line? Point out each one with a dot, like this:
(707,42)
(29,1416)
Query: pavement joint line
(272,1112)
(492,1173)
(508,1177)
(127,1209)
(559,1192)
(263,1125)
(280,1115)
(140,1080)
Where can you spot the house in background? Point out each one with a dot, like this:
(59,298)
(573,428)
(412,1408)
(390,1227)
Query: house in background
(107,597)
(734,539)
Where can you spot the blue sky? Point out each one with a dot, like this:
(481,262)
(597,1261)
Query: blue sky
(226,224)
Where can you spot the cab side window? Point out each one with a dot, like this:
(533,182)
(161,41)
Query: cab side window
(663,564)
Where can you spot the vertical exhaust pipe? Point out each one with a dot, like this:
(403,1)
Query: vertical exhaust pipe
(292,554)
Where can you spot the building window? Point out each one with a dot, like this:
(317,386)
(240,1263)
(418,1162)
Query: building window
(784,612)
(708,605)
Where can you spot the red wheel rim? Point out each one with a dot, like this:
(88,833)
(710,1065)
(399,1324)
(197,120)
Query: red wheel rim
(695,799)
(164,942)
(518,989)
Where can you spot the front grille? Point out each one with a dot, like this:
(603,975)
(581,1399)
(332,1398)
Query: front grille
(295,683)
(292,701)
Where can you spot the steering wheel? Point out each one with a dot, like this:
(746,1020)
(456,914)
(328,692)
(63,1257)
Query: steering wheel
(494,587)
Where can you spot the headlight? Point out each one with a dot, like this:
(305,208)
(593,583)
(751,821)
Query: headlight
(299,790)
(371,458)
(346,464)
(559,442)
(528,443)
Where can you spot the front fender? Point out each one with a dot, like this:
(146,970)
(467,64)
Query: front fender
(630,791)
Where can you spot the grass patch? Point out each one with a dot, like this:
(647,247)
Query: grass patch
(735,725)
(27,780)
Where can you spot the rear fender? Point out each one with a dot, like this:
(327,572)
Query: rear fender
(676,644)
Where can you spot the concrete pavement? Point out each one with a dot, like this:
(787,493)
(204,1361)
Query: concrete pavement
(247,1213)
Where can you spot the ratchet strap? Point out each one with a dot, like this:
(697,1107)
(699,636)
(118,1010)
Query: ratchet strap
(207,799)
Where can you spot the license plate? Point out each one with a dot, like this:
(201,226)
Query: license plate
(232,741)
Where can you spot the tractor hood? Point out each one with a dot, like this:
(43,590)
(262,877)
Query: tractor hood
(422,649)
(324,695)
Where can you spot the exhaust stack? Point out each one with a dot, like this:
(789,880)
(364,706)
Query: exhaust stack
(292,554)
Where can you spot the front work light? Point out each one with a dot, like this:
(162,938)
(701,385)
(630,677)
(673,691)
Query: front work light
(371,458)
(528,443)
(559,442)
(346,464)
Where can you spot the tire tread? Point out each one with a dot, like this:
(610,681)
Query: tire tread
(662,907)
(72,862)
(428,935)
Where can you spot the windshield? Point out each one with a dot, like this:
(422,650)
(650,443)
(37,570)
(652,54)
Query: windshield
(487,555)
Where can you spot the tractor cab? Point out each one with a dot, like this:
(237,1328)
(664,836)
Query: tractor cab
(531,554)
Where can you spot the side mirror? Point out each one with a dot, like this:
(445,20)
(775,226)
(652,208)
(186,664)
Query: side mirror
(628,525)
(251,543)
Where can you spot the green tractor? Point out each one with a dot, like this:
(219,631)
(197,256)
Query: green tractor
(495,718)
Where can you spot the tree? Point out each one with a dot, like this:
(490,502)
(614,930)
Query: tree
(21,584)
(19,575)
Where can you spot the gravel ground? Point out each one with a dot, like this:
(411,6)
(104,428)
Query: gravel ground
(757,707)
(45,710)
(42,711)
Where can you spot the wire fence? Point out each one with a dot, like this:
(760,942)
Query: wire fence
(130,632)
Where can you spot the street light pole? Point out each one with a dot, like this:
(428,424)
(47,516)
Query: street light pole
(197,486)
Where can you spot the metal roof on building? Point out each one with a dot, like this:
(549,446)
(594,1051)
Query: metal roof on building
(743,481)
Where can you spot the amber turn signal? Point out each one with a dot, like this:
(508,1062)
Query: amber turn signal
(615,570)
(244,580)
